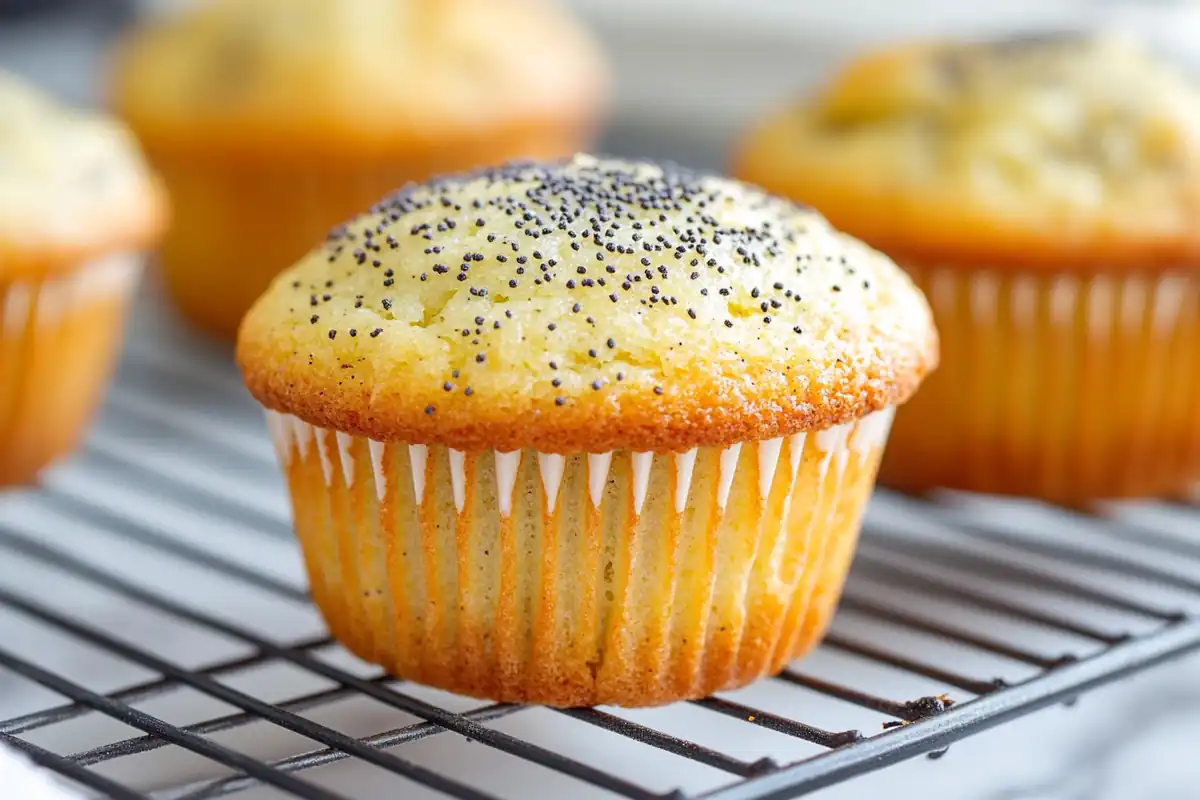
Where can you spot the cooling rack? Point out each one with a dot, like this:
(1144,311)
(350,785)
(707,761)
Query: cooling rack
(156,639)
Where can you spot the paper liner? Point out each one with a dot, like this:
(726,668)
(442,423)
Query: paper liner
(237,223)
(626,578)
(58,343)
(1061,387)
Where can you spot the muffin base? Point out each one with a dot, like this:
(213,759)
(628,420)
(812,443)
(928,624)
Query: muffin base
(58,340)
(239,222)
(619,578)
(1066,388)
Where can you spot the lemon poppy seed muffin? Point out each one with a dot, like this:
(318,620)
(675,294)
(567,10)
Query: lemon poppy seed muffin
(291,115)
(77,207)
(583,432)
(1045,193)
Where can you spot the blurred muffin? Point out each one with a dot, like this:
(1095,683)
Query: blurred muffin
(272,120)
(589,432)
(1045,193)
(77,208)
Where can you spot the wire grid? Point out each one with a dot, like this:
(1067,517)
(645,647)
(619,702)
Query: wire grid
(178,476)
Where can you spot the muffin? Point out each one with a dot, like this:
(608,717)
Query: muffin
(586,432)
(273,120)
(1045,193)
(77,208)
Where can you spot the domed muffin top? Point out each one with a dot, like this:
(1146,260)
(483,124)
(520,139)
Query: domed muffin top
(72,186)
(1072,148)
(587,305)
(243,75)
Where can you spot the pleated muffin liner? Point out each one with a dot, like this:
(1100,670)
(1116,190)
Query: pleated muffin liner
(59,339)
(1069,388)
(625,578)
(238,222)
(236,226)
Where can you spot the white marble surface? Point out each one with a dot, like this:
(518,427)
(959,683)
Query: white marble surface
(1133,740)
(22,778)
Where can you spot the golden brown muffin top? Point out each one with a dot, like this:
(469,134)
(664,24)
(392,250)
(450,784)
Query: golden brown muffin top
(253,74)
(589,305)
(73,186)
(1074,149)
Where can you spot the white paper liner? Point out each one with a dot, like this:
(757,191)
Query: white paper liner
(1067,387)
(869,433)
(623,577)
(38,304)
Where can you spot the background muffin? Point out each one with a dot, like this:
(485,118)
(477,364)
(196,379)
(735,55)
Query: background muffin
(77,206)
(1045,193)
(592,432)
(290,115)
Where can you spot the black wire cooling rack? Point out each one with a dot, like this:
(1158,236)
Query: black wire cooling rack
(157,639)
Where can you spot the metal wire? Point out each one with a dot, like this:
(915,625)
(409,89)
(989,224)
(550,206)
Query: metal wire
(969,718)
(950,569)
